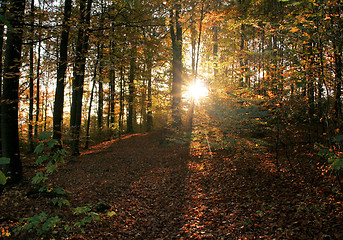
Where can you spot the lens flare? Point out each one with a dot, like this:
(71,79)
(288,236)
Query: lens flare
(197,90)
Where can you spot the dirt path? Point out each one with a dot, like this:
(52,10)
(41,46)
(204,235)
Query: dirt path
(172,191)
(143,181)
(168,191)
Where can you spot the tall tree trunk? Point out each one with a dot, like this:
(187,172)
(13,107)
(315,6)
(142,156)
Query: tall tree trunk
(310,84)
(100,105)
(79,75)
(176,37)
(2,30)
(149,103)
(112,97)
(131,113)
(338,81)
(38,92)
(100,94)
(61,71)
(215,49)
(195,69)
(12,62)
(46,105)
(320,81)
(31,77)
(241,56)
(91,99)
(121,101)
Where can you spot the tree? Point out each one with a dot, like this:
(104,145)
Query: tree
(31,76)
(132,75)
(100,92)
(12,62)
(61,71)
(79,74)
(95,73)
(176,37)
(2,30)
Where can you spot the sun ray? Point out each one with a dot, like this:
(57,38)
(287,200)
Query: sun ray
(197,90)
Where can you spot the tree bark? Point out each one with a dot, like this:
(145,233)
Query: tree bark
(176,37)
(37,93)
(2,30)
(338,80)
(12,62)
(131,113)
(121,101)
(100,94)
(61,71)
(91,99)
(112,97)
(31,78)
(79,75)
(149,103)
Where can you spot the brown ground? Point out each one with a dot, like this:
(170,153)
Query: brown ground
(160,190)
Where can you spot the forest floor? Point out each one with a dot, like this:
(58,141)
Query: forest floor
(146,187)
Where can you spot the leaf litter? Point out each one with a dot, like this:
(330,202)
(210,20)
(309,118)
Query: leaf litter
(148,190)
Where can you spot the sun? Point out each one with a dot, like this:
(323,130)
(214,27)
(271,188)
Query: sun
(197,90)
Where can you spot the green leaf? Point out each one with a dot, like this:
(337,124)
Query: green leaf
(338,138)
(60,202)
(45,135)
(41,159)
(39,177)
(3,178)
(57,158)
(5,160)
(324,152)
(51,169)
(52,143)
(45,189)
(338,164)
(82,209)
(59,191)
(39,149)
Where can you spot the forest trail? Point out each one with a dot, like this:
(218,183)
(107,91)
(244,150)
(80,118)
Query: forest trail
(163,189)
(177,191)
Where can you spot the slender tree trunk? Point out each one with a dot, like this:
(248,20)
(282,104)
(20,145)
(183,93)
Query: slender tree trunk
(2,29)
(79,75)
(61,71)
(12,62)
(91,100)
(38,93)
(176,37)
(100,95)
(338,81)
(320,81)
(310,86)
(31,78)
(112,98)
(46,105)
(131,113)
(241,56)
(215,49)
(121,101)
(100,105)
(149,103)
(195,69)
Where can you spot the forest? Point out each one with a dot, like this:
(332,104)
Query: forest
(151,119)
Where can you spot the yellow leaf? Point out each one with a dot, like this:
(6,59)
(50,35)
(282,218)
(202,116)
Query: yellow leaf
(294,29)
(111,213)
